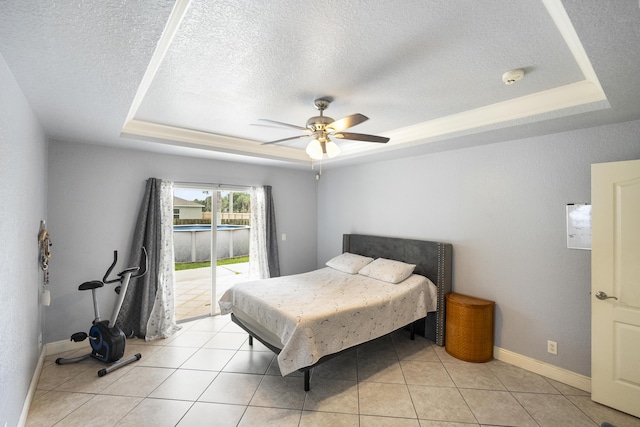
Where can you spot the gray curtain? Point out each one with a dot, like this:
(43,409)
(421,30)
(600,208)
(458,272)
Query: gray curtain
(140,297)
(272,235)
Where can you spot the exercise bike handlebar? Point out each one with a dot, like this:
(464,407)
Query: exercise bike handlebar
(113,264)
(144,264)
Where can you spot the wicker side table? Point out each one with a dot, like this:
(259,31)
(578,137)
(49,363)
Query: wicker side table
(469,328)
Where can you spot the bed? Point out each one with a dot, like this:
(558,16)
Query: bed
(360,301)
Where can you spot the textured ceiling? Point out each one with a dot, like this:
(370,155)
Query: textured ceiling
(191,77)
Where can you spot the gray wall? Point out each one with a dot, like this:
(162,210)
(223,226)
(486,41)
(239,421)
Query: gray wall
(502,206)
(23,191)
(94,198)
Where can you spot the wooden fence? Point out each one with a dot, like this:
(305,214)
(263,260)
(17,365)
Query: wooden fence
(234,218)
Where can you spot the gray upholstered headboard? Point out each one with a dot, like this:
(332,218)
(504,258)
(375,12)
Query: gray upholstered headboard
(432,259)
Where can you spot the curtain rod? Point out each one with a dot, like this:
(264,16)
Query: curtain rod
(210,184)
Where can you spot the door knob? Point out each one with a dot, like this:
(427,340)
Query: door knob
(602,296)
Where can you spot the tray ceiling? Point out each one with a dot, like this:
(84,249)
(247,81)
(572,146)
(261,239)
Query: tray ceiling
(193,77)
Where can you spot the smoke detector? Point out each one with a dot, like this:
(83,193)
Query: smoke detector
(512,76)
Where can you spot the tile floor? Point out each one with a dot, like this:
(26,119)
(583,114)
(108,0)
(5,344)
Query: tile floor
(207,375)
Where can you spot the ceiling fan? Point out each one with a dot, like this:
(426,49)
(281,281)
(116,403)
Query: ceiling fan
(322,129)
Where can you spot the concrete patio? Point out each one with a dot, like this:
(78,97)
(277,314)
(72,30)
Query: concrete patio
(193,288)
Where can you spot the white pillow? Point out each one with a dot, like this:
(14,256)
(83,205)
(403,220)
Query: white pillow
(388,270)
(348,262)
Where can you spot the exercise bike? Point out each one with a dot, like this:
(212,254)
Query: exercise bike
(106,339)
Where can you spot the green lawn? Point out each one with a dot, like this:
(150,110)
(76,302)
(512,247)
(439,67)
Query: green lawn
(190,265)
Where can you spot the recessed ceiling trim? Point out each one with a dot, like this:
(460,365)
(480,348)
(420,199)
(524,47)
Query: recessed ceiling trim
(529,106)
(572,95)
(568,96)
(168,134)
(568,32)
(533,107)
(169,33)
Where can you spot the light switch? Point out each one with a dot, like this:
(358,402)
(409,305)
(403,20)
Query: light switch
(284,236)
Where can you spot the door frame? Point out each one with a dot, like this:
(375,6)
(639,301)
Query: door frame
(214,189)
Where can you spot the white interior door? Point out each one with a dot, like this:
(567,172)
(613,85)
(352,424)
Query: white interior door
(615,285)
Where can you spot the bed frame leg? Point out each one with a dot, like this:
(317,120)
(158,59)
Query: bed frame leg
(250,340)
(306,380)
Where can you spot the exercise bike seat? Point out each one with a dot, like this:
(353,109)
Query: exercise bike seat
(90,285)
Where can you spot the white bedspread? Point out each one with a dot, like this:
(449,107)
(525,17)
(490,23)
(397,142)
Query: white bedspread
(324,311)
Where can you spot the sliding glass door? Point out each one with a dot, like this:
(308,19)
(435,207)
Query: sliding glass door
(211,244)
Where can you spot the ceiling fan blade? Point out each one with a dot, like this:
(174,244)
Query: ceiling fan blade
(361,137)
(347,122)
(287,139)
(284,124)
(266,125)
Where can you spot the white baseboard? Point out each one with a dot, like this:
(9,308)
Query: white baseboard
(545,369)
(47,349)
(32,389)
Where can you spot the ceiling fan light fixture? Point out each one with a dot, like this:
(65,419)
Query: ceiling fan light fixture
(314,150)
(332,149)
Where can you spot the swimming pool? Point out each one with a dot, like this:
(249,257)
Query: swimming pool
(192,242)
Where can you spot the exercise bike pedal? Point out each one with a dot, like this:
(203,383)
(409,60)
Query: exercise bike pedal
(79,336)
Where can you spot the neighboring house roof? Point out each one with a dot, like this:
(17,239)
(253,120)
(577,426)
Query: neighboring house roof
(177,201)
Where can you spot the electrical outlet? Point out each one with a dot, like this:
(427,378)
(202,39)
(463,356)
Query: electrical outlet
(40,341)
(552,347)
